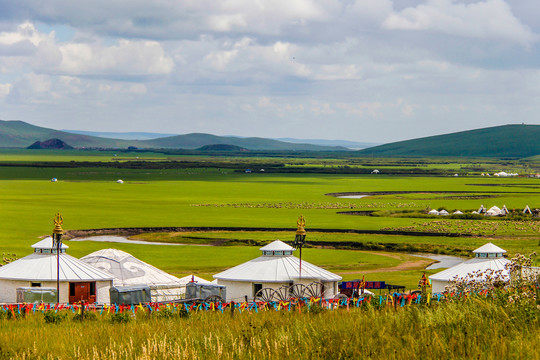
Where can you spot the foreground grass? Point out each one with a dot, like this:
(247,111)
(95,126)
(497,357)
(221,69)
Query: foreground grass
(471,329)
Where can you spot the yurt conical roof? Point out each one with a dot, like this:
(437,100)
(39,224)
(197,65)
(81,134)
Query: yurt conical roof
(128,270)
(276,268)
(489,248)
(41,266)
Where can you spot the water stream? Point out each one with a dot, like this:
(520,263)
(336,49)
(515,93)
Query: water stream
(443,261)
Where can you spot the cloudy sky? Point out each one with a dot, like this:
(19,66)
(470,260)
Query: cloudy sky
(364,70)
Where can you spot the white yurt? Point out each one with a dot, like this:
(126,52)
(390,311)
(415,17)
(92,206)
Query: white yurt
(127,270)
(433,212)
(276,267)
(487,257)
(78,280)
(457,212)
(443,212)
(494,211)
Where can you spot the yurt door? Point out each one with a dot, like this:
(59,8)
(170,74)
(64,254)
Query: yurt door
(81,291)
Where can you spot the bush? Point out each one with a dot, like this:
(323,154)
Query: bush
(52,317)
(183,313)
(88,316)
(120,318)
(164,313)
(316,309)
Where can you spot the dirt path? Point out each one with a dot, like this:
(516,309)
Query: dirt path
(406,265)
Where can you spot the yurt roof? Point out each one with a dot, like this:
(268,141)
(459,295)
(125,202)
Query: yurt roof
(277,269)
(277,245)
(128,270)
(42,267)
(472,266)
(47,243)
(489,248)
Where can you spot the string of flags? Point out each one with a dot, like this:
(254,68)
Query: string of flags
(299,305)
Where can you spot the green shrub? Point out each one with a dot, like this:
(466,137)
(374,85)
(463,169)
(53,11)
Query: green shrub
(183,313)
(88,316)
(164,313)
(120,318)
(52,317)
(316,309)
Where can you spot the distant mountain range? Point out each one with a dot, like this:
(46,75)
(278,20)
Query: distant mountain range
(149,136)
(122,135)
(345,143)
(19,134)
(513,141)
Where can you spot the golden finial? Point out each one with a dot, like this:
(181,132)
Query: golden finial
(301,223)
(58,221)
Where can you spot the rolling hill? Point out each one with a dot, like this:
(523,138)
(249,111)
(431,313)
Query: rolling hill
(513,141)
(19,134)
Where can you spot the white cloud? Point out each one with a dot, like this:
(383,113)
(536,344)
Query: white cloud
(132,58)
(271,66)
(5,89)
(489,19)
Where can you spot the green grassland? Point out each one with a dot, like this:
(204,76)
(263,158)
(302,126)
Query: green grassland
(90,198)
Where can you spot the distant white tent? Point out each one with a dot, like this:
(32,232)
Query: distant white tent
(443,212)
(130,271)
(527,210)
(433,212)
(481,210)
(457,212)
(120,181)
(504,211)
(494,211)
(375,171)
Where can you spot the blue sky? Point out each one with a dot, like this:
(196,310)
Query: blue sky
(362,70)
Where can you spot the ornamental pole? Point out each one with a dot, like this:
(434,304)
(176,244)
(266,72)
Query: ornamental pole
(57,243)
(300,239)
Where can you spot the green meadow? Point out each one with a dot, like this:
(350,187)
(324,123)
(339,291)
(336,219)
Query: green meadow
(88,197)
(168,190)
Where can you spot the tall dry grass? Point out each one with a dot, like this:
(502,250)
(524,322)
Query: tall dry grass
(474,328)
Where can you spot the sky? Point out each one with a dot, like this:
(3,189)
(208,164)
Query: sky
(361,70)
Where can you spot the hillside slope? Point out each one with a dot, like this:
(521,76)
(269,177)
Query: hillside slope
(197,140)
(517,141)
(21,134)
(18,134)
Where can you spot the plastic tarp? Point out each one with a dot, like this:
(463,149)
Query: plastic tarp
(130,295)
(203,291)
(36,295)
